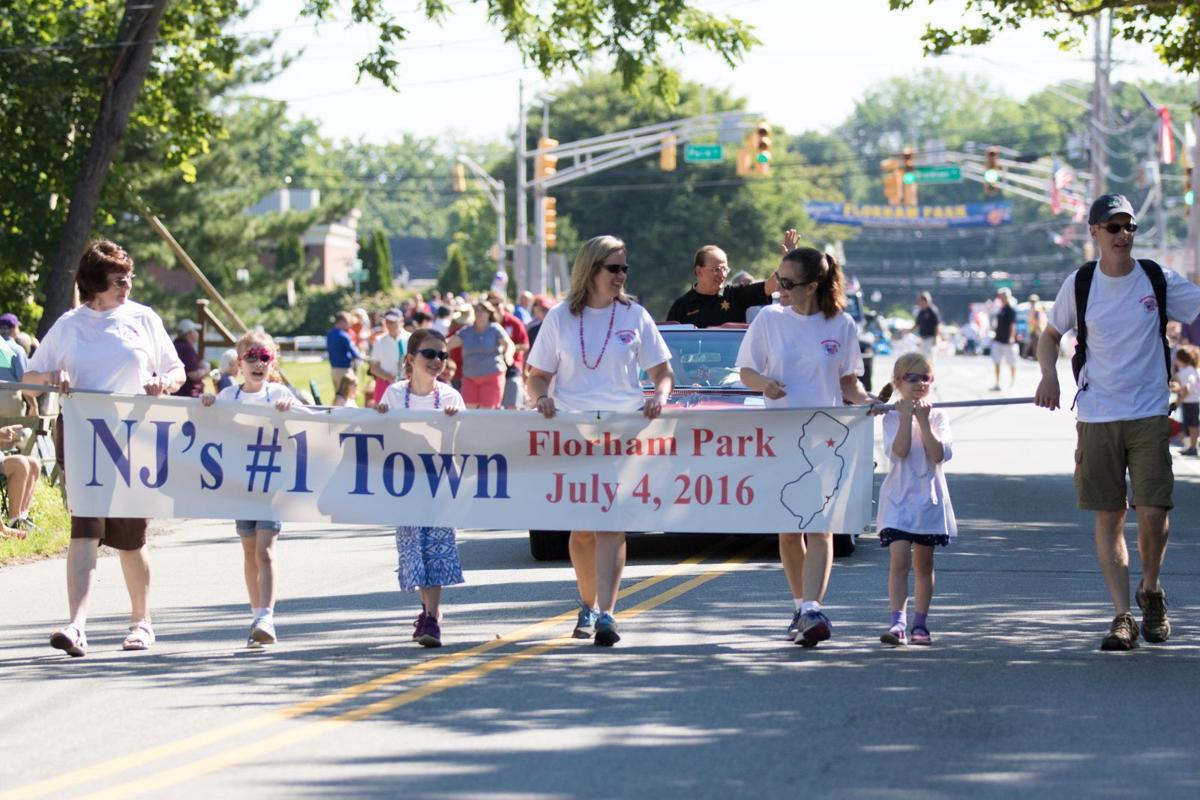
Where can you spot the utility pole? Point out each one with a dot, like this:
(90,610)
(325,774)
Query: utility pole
(521,234)
(495,193)
(1100,126)
(1194,215)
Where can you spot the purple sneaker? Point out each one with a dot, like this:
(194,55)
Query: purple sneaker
(419,624)
(427,632)
(815,628)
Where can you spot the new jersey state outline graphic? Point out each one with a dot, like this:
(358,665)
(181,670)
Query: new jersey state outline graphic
(810,494)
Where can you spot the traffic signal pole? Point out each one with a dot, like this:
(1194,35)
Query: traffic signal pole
(598,153)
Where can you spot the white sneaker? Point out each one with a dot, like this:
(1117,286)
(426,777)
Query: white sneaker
(262,632)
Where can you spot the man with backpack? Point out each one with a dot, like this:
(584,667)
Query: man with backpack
(1119,308)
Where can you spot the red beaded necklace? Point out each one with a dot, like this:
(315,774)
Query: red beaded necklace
(583,348)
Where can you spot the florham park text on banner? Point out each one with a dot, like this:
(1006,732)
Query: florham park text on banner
(746,471)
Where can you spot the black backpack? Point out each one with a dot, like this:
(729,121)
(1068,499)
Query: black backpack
(1083,284)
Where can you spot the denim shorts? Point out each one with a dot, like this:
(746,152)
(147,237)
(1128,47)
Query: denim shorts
(248,527)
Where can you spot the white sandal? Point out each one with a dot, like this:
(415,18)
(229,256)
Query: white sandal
(140,637)
(71,640)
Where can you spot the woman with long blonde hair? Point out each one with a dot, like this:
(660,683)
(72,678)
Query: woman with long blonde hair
(593,347)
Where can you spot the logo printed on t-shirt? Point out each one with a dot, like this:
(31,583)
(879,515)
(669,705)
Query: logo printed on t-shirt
(1149,303)
(831,346)
(625,337)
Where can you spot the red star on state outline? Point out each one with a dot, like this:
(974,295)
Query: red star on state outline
(829,443)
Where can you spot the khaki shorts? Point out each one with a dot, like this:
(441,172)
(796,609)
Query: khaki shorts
(119,533)
(1106,450)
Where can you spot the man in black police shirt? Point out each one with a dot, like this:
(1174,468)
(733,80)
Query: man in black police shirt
(710,301)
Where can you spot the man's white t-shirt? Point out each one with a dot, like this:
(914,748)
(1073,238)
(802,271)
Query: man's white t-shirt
(1125,372)
(808,354)
(613,385)
(110,351)
(443,396)
(387,352)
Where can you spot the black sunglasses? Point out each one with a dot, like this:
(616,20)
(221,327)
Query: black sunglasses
(615,268)
(1116,227)
(788,284)
(430,353)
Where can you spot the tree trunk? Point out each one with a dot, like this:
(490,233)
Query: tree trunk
(136,38)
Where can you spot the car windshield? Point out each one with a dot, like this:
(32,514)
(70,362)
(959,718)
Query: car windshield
(704,357)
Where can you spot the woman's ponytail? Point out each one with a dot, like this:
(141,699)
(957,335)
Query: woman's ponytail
(885,393)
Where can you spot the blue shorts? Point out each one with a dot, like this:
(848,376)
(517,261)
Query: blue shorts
(889,535)
(249,527)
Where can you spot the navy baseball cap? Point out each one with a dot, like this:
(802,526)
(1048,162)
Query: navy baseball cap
(1108,206)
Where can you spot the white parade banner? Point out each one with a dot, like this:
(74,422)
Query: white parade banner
(737,471)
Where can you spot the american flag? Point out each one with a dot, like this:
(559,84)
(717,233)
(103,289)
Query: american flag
(1061,192)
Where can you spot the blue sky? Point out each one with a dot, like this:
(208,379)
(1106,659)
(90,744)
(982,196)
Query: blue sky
(816,59)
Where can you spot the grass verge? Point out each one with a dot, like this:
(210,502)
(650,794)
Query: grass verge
(53,532)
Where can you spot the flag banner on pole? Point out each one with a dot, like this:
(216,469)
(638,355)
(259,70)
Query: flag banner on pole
(753,471)
(1166,139)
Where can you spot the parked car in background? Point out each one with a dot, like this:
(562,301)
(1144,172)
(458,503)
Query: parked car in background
(706,377)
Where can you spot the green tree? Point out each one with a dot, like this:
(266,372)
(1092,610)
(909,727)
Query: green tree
(381,276)
(291,262)
(1173,28)
(453,277)
(155,66)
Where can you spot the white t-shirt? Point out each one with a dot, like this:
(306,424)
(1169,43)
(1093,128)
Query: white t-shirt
(913,497)
(1125,372)
(1189,381)
(808,354)
(387,352)
(446,397)
(613,385)
(109,351)
(268,395)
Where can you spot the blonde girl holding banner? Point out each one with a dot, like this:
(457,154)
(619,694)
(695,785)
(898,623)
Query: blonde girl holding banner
(427,556)
(256,353)
(915,514)
(803,353)
(593,346)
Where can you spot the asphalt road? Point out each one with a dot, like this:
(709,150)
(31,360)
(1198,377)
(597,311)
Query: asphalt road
(702,698)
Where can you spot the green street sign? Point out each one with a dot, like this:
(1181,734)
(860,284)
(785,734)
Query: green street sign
(358,275)
(702,153)
(949,173)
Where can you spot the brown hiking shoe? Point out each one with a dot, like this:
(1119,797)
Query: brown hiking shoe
(1122,634)
(1155,625)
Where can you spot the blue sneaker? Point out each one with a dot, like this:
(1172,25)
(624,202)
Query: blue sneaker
(794,629)
(585,622)
(815,628)
(606,631)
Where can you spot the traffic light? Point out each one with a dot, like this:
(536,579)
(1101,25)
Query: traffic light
(1189,196)
(991,171)
(459,178)
(908,176)
(545,164)
(666,156)
(893,181)
(550,218)
(762,148)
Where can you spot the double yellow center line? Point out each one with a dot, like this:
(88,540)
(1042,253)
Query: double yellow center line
(242,751)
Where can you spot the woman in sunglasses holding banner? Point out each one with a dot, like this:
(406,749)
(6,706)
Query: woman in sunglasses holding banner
(108,344)
(593,347)
(803,353)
